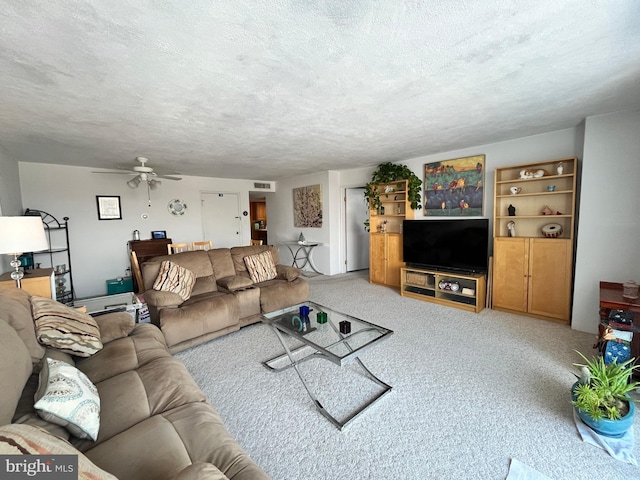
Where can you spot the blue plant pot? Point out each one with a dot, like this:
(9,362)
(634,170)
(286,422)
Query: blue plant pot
(605,426)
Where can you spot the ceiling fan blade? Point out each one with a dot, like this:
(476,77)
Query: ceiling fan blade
(166,177)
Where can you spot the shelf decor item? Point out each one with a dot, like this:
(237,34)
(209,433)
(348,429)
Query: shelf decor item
(454,187)
(601,395)
(630,290)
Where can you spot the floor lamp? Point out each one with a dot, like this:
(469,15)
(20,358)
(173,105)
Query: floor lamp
(19,235)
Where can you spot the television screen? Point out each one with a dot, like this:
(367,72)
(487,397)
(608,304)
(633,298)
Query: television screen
(460,245)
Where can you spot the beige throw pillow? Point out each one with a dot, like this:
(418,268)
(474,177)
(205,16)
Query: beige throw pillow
(65,328)
(176,279)
(261,267)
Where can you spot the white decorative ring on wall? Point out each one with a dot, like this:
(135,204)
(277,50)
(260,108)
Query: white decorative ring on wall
(177,207)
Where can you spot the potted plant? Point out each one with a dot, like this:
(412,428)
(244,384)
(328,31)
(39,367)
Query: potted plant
(601,395)
(389,173)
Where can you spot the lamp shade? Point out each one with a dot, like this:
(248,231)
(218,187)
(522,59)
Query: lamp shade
(22,234)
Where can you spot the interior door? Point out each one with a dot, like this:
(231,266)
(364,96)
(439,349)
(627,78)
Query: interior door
(357,238)
(221,221)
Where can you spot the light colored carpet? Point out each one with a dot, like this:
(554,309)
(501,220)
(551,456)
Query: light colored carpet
(470,392)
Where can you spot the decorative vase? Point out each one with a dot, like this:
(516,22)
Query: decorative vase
(301,239)
(605,426)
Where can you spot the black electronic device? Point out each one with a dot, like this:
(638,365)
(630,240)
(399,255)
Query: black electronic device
(447,244)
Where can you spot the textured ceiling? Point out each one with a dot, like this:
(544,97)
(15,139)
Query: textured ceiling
(271,89)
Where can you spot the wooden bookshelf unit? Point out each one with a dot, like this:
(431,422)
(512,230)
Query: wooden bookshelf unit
(464,291)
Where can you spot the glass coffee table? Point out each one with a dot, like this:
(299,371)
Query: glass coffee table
(325,336)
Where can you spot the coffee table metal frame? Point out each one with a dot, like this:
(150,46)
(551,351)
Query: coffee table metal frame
(271,319)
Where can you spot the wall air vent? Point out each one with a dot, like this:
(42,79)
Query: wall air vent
(262,186)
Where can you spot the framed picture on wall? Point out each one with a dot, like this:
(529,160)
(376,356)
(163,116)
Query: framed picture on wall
(109,207)
(454,188)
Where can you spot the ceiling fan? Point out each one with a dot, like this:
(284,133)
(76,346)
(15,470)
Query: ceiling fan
(142,173)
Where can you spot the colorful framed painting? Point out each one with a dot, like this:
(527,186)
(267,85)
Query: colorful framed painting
(454,188)
(307,206)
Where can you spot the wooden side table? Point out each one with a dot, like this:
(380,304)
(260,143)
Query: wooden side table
(38,281)
(611,298)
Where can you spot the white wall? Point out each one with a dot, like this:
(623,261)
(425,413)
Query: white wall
(608,223)
(280,223)
(10,196)
(99,248)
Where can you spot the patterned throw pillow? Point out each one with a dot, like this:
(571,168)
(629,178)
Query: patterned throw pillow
(176,279)
(65,328)
(261,267)
(18,439)
(67,397)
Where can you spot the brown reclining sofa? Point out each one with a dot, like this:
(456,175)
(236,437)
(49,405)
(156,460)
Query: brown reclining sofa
(154,421)
(223,299)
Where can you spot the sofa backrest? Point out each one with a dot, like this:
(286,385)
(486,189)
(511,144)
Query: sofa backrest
(197,261)
(15,370)
(238,254)
(222,263)
(15,309)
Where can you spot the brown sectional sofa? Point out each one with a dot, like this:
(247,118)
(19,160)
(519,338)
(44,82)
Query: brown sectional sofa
(223,298)
(155,423)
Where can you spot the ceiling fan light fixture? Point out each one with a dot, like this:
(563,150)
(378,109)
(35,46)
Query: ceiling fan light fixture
(153,184)
(134,182)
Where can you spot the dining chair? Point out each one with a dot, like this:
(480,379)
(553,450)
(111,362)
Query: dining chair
(255,242)
(177,248)
(202,245)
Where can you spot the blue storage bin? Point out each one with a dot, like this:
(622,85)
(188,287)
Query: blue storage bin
(119,285)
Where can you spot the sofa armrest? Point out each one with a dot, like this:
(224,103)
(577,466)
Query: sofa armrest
(200,471)
(113,326)
(288,273)
(157,298)
(234,282)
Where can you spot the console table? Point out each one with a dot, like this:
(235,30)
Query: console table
(302,254)
(611,298)
(38,281)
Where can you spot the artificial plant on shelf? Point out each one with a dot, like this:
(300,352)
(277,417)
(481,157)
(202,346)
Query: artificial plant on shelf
(389,173)
(601,394)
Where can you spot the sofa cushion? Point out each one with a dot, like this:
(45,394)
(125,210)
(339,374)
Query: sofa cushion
(142,346)
(67,397)
(214,312)
(260,267)
(175,278)
(200,471)
(114,325)
(285,272)
(238,254)
(65,328)
(28,440)
(235,282)
(15,370)
(15,309)
(157,298)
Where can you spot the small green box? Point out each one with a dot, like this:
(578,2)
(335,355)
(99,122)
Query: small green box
(119,285)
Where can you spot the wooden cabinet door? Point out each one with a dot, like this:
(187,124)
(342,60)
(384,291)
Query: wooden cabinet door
(510,273)
(550,266)
(377,258)
(394,259)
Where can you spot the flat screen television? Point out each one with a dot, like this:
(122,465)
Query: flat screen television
(457,245)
